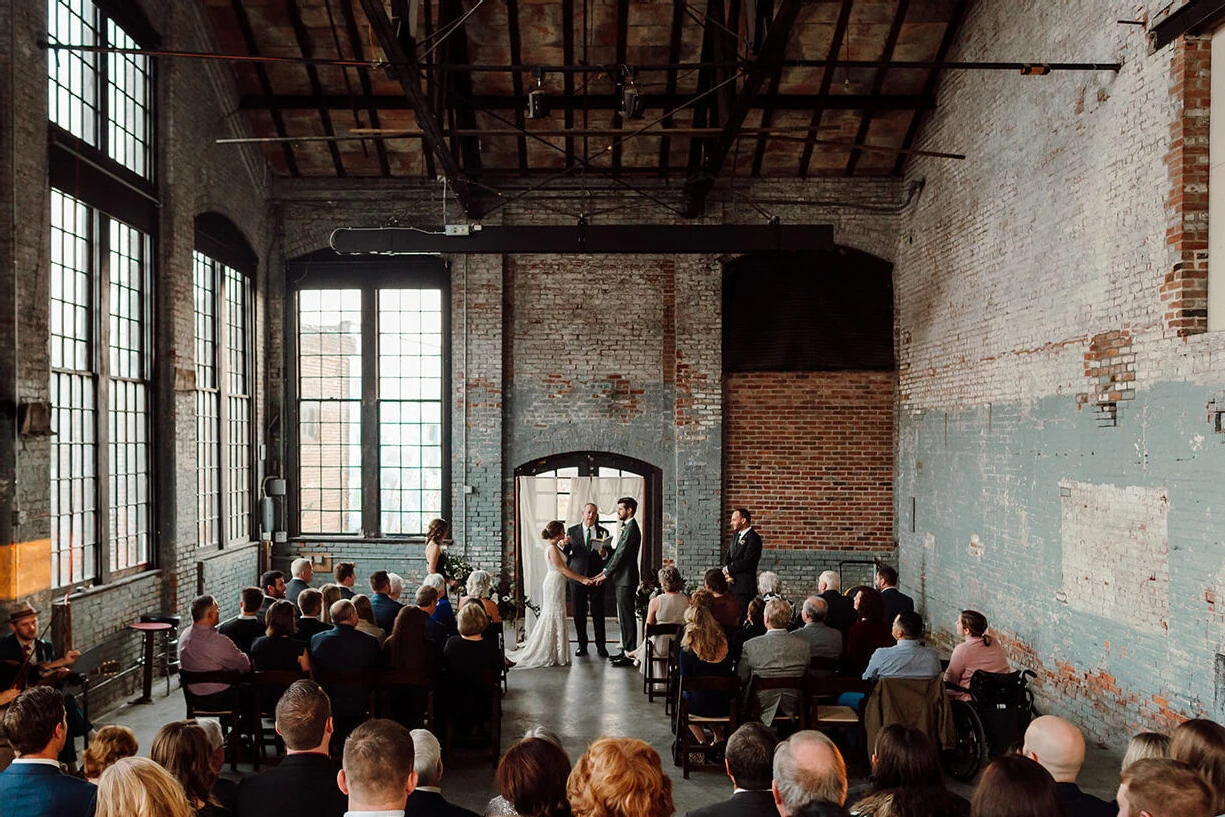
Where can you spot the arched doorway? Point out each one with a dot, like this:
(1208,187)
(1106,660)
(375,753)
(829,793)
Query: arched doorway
(560,470)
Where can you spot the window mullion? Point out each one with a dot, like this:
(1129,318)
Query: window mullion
(221,365)
(370,413)
(102,364)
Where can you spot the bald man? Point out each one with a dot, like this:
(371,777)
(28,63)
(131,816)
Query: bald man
(1059,747)
(807,768)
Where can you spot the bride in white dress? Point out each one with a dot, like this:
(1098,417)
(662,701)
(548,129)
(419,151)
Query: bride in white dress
(549,642)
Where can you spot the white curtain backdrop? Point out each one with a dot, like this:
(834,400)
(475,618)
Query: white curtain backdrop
(538,507)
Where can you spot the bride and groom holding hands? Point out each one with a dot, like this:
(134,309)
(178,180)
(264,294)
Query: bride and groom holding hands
(587,557)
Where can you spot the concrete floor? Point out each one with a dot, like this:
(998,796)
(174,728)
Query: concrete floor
(581,702)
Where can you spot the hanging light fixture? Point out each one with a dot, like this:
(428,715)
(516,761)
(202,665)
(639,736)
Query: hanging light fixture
(537,99)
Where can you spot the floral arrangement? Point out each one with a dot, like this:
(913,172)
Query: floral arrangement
(647,590)
(457,567)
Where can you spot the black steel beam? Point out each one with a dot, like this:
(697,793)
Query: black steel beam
(410,82)
(459,86)
(766,62)
(674,54)
(1195,17)
(363,77)
(303,38)
(278,123)
(827,79)
(929,87)
(516,47)
(706,104)
(667,102)
(878,82)
(623,24)
(629,238)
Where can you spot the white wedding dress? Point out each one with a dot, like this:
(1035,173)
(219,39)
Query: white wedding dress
(548,645)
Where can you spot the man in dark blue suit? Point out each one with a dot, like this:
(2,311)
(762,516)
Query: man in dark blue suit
(750,758)
(895,600)
(34,786)
(344,649)
(385,607)
(310,602)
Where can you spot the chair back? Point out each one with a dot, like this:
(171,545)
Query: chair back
(233,678)
(269,685)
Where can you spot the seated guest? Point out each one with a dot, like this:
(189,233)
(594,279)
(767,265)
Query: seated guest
(272,582)
(1163,787)
(473,667)
(377,773)
(33,785)
(704,652)
(777,654)
(726,607)
(302,571)
(203,649)
(310,602)
(531,780)
(869,633)
(345,574)
(365,617)
(909,659)
(754,625)
(666,608)
(1146,745)
(977,651)
(906,778)
(183,749)
(619,776)
(1200,743)
(895,600)
(1015,786)
(841,613)
(110,743)
(823,641)
(385,607)
(443,613)
(248,626)
(808,768)
(305,781)
(329,594)
(427,800)
(225,792)
(410,649)
(278,650)
(750,753)
(344,649)
(139,787)
(395,586)
(427,602)
(1059,747)
(479,585)
(770,586)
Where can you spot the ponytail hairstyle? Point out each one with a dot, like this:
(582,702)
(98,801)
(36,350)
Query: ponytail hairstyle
(976,623)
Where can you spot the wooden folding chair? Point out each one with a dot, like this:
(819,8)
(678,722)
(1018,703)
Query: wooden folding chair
(682,744)
(798,719)
(228,709)
(655,636)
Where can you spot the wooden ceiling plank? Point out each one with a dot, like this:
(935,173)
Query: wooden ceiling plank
(516,53)
(278,122)
(404,69)
(946,43)
(878,82)
(827,79)
(623,24)
(303,38)
(363,77)
(773,50)
(765,13)
(674,56)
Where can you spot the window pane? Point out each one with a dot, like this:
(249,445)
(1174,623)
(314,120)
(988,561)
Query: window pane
(330,345)
(72,75)
(410,408)
(127,96)
(330,460)
(238,406)
(208,403)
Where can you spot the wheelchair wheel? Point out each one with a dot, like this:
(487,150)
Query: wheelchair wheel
(970,752)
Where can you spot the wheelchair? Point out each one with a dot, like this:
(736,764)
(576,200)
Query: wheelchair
(993,721)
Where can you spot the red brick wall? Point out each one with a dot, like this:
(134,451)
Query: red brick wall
(811,455)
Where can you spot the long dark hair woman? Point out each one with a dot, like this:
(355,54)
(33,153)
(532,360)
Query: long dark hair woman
(906,778)
(1015,786)
(871,632)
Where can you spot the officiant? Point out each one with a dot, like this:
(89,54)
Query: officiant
(583,556)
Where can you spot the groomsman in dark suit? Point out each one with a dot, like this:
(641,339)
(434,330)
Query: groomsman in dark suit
(622,568)
(743,554)
(587,562)
(34,786)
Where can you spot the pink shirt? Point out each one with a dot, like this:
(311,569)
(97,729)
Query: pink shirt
(970,656)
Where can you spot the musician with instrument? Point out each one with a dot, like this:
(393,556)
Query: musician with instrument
(27,660)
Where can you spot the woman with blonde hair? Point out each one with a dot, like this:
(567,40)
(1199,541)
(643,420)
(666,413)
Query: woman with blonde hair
(139,787)
(331,594)
(704,652)
(478,587)
(666,608)
(1146,745)
(365,617)
(619,776)
(109,744)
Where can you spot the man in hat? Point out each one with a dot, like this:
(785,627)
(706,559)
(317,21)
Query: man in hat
(25,659)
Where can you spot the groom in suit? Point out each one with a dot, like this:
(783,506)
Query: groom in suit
(622,568)
(586,562)
(743,554)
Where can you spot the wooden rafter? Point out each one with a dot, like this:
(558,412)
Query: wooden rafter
(363,78)
(827,79)
(618,121)
(929,88)
(674,55)
(303,38)
(878,82)
(459,87)
(516,47)
(278,122)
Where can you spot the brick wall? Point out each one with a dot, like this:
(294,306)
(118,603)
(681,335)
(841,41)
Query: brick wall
(811,455)
(1033,288)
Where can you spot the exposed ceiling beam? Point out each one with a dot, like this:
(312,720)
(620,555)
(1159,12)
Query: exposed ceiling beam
(674,54)
(516,47)
(278,123)
(827,79)
(772,52)
(303,38)
(459,86)
(623,24)
(929,88)
(363,77)
(878,82)
(706,105)
(410,81)
(559,102)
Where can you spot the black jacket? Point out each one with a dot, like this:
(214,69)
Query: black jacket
(581,559)
(756,803)
(302,785)
(344,649)
(242,631)
(1078,804)
(432,804)
(741,563)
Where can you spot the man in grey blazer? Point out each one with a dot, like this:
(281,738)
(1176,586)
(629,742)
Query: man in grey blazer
(777,654)
(622,568)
